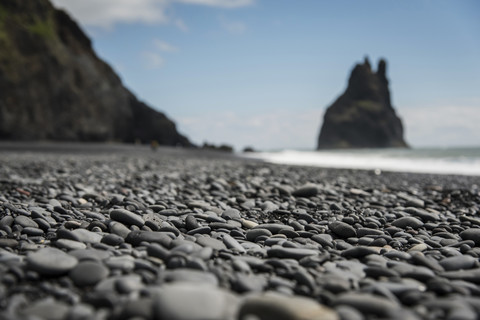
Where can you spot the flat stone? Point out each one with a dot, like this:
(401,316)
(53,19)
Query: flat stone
(47,309)
(127,217)
(368,303)
(119,229)
(270,306)
(51,262)
(405,222)
(232,243)
(88,273)
(471,234)
(190,276)
(457,263)
(247,224)
(70,244)
(252,234)
(186,301)
(342,229)
(25,222)
(231,214)
(90,254)
(274,228)
(290,253)
(213,243)
(87,236)
(471,275)
(112,239)
(137,237)
(359,252)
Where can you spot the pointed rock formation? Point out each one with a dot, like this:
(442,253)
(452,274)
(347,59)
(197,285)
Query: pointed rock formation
(363,116)
(54,87)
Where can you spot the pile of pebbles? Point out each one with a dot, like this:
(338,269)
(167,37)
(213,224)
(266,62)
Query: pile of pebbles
(143,235)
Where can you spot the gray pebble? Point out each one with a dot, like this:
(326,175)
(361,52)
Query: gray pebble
(51,262)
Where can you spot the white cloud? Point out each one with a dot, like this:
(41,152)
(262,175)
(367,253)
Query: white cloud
(447,125)
(164,46)
(270,130)
(180,24)
(233,27)
(107,13)
(152,59)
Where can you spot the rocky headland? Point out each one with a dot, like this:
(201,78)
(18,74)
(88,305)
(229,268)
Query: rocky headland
(54,87)
(126,233)
(363,116)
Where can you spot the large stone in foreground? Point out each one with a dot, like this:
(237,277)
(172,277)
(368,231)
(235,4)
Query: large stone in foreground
(363,116)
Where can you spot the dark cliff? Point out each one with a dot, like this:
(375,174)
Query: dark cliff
(54,87)
(363,116)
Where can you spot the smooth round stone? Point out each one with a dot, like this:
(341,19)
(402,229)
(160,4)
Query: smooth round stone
(422,214)
(274,228)
(471,275)
(119,229)
(86,236)
(51,262)
(359,252)
(247,224)
(90,254)
(361,232)
(190,276)
(418,247)
(191,222)
(127,217)
(128,284)
(368,303)
(405,222)
(125,263)
(25,222)
(471,234)
(232,243)
(137,237)
(213,243)
(88,273)
(112,240)
(457,263)
(31,231)
(186,301)
(252,234)
(342,229)
(8,243)
(70,244)
(48,309)
(270,306)
(290,253)
(305,191)
(231,214)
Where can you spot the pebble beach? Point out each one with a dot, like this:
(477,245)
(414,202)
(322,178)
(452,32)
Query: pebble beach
(124,232)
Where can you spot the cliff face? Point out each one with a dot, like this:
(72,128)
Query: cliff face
(363,116)
(54,87)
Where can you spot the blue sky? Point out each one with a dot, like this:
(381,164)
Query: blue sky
(262,72)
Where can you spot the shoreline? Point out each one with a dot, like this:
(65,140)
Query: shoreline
(127,232)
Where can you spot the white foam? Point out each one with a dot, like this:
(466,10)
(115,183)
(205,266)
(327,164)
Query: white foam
(405,161)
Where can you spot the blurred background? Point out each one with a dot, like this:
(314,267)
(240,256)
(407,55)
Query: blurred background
(262,72)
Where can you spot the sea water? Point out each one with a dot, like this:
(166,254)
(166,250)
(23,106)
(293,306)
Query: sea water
(464,161)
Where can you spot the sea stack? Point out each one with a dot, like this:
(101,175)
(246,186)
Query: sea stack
(363,116)
(54,87)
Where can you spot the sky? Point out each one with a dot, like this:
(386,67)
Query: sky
(262,72)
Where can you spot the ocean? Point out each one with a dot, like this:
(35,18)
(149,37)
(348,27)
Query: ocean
(463,161)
